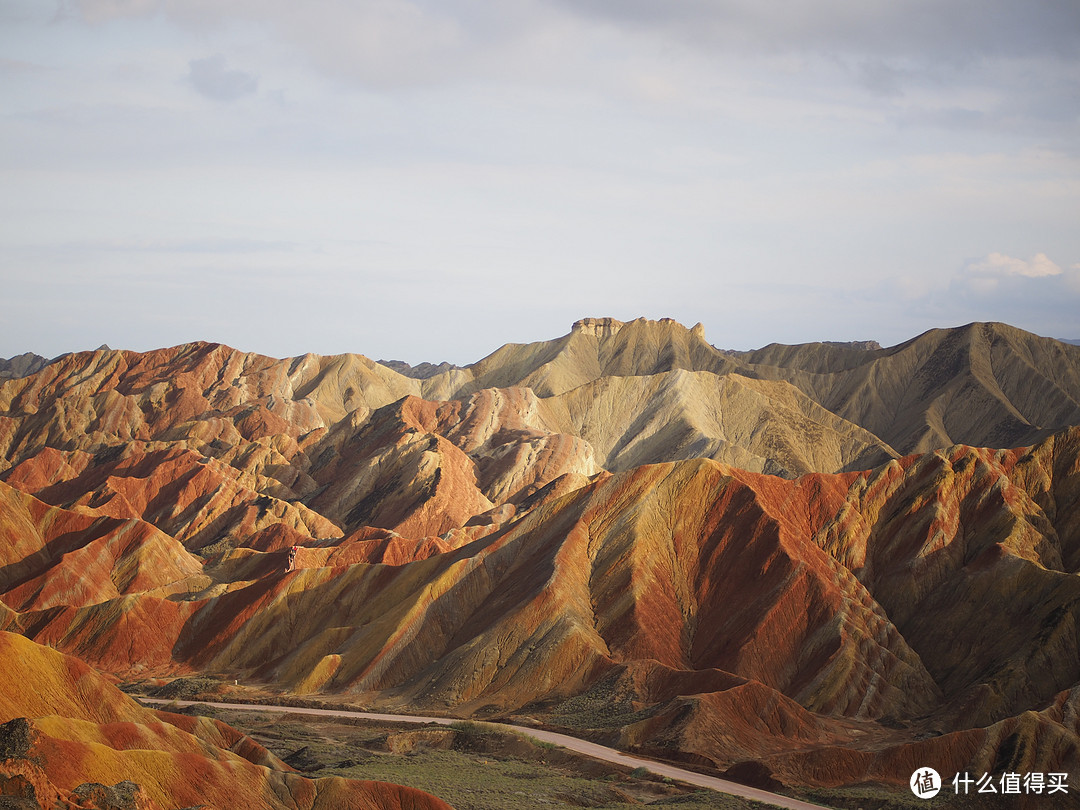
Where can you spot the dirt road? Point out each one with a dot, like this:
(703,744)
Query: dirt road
(589,749)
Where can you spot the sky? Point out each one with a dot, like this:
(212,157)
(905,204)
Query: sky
(428,179)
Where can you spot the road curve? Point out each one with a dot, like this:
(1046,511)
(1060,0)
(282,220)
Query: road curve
(589,749)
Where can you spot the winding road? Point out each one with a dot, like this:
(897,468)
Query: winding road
(589,749)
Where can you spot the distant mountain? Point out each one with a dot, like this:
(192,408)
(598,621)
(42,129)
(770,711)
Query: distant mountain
(864,345)
(420,372)
(981,384)
(636,392)
(821,563)
(21,365)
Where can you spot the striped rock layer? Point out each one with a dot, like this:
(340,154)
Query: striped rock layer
(583,531)
(66,735)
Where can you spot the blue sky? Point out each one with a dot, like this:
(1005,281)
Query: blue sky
(428,180)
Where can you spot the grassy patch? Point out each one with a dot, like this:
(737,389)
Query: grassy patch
(606,705)
(469,728)
(477,767)
(197,710)
(187,688)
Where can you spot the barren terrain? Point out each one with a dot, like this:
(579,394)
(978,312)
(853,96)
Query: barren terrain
(815,566)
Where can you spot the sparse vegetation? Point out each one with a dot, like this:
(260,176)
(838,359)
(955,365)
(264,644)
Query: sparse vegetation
(468,727)
(482,768)
(604,706)
(200,709)
(187,688)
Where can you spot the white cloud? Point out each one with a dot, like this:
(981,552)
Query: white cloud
(1035,294)
(945,30)
(98,11)
(998,265)
(214,80)
(18,66)
(371,43)
(682,144)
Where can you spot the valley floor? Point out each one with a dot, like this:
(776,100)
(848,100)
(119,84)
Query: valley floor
(484,766)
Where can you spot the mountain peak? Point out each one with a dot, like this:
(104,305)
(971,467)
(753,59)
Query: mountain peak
(606,327)
(597,327)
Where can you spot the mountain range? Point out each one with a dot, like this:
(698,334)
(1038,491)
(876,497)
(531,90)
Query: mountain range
(823,564)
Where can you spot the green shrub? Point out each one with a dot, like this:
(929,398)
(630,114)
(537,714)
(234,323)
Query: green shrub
(469,728)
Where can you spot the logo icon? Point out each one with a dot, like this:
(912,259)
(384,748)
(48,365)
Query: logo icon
(925,783)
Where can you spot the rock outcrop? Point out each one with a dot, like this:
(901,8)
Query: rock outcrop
(67,735)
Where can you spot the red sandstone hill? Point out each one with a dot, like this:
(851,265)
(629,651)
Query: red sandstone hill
(66,735)
(930,599)
(565,530)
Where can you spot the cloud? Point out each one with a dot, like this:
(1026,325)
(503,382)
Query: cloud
(985,64)
(888,48)
(98,11)
(520,137)
(212,79)
(19,66)
(1036,294)
(998,265)
(989,276)
(881,78)
(207,244)
(944,29)
(381,43)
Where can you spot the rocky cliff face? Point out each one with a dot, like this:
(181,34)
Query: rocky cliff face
(584,530)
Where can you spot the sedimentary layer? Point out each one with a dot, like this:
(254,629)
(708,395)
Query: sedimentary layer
(710,556)
(69,738)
